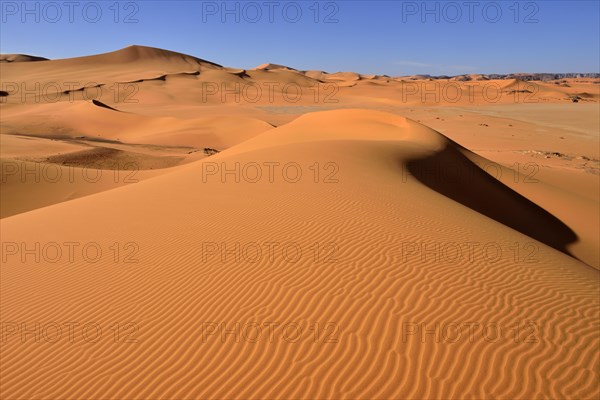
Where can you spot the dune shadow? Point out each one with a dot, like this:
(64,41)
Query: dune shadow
(453,175)
(101,104)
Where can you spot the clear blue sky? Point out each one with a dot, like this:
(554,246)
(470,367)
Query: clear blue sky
(385,37)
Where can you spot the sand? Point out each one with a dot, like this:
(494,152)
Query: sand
(376,246)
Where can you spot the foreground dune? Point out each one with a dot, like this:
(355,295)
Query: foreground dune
(383,281)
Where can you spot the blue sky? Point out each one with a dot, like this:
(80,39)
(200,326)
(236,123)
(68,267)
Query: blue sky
(385,37)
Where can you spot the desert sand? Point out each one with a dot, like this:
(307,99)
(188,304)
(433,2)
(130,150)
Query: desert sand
(181,229)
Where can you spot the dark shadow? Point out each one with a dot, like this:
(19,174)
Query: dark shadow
(101,104)
(453,175)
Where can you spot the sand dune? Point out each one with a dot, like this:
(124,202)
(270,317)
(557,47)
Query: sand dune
(125,65)
(269,66)
(385,245)
(139,74)
(7,58)
(344,76)
(99,121)
(374,293)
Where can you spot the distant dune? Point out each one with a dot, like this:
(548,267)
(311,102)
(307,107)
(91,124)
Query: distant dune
(270,66)
(6,58)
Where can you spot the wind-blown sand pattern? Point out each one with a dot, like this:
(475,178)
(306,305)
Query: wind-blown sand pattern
(363,305)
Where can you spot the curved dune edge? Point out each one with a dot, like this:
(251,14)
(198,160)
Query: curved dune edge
(371,294)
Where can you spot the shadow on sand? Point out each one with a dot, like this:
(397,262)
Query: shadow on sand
(453,175)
